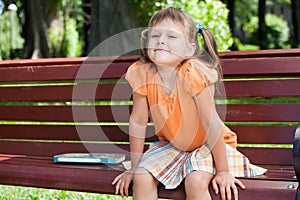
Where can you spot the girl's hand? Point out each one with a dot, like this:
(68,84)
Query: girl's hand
(224,182)
(122,182)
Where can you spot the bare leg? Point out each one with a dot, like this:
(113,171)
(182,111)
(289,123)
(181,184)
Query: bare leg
(196,185)
(144,185)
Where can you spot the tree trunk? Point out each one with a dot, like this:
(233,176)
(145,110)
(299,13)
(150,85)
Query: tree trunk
(87,9)
(38,16)
(296,20)
(231,8)
(110,17)
(261,24)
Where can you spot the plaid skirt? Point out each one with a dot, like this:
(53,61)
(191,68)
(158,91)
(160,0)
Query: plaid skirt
(170,165)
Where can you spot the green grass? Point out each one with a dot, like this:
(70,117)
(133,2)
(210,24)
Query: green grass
(28,193)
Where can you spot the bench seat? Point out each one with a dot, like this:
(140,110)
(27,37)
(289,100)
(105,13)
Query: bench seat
(278,183)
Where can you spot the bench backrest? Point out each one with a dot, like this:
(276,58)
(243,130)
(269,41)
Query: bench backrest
(62,105)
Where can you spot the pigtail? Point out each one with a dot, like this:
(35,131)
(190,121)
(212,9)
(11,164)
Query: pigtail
(143,48)
(210,52)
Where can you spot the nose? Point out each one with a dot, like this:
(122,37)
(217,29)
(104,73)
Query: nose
(162,39)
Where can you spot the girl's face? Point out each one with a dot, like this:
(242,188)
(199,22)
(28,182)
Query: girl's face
(168,44)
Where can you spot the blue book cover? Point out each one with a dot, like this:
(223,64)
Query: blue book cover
(92,158)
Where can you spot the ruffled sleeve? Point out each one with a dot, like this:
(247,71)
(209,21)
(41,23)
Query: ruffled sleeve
(136,76)
(198,76)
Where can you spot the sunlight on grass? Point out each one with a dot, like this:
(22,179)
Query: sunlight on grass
(28,193)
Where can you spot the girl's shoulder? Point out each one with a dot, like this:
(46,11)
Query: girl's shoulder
(200,70)
(140,66)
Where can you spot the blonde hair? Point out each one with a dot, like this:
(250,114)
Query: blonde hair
(209,53)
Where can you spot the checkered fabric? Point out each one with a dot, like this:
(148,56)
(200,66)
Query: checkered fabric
(170,165)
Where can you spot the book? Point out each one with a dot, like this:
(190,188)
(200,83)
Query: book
(90,158)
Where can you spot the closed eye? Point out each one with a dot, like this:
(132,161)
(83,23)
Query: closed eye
(155,36)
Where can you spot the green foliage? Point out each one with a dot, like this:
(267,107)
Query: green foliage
(211,13)
(72,46)
(143,10)
(64,33)
(10,32)
(245,10)
(276,35)
(244,47)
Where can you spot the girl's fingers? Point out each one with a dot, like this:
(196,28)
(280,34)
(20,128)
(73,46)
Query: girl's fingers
(235,193)
(122,188)
(215,186)
(223,192)
(117,179)
(117,188)
(240,183)
(228,192)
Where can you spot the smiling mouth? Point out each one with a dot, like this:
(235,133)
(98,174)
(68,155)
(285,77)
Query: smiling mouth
(161,50)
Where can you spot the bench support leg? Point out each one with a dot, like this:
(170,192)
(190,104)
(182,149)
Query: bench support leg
(296,156)
(298,194)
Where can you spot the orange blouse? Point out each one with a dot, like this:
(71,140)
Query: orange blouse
(175,116)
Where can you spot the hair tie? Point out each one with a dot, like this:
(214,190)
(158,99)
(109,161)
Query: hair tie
(199,27)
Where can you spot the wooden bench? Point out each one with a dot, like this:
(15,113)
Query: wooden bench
(62,105)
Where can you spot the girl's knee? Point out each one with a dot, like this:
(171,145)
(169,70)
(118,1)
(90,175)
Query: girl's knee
(143,177)
(198,180)
(144,185)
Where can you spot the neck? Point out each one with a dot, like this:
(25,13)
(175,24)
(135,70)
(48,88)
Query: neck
(168,78)
(167,74)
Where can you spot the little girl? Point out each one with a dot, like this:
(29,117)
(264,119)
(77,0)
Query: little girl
(176,82)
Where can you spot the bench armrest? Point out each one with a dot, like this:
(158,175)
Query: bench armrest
(296,156)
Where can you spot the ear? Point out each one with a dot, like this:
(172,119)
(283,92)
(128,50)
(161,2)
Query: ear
(190,51)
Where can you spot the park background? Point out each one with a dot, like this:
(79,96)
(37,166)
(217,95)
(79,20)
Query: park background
(73,28)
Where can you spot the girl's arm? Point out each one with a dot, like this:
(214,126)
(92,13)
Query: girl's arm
(137,128)
(213,125)
(137,131)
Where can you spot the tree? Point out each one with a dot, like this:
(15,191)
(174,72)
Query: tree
(296,21)
(231,7)
(38,17)
(261,23)
(110,17)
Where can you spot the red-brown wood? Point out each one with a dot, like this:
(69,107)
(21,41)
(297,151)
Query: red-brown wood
(63,72)
(97,179)
(81,92)
(67,69)
(261,88)
(281,71)
(34,148)
(276,65)
(122,91)
(234,113)
(246,134)
(261,53)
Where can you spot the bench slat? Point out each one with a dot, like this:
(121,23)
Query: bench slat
(274,65)
(263,88)
(235,113)
(246,134)
(65,113)
(268,156)
(34,72)
(257,155)
(54,148)
(122,91)
(70,133)
(63,72)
